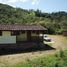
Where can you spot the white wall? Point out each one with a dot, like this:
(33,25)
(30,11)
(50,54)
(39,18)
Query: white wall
(6,38)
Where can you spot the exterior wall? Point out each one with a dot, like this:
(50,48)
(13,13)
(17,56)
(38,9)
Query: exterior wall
(6,38)
(22,37)
(6,33)
(34,36)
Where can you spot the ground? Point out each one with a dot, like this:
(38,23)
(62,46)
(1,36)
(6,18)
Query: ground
(60,43)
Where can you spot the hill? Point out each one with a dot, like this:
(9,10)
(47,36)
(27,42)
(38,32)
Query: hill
(55,22)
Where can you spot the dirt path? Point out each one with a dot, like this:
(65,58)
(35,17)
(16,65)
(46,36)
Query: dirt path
(60,43)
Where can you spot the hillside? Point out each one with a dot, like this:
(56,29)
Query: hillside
(55,22)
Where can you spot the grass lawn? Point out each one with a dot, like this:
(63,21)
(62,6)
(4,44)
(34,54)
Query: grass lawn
(57,60)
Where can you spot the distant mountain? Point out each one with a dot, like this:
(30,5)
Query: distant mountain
(55,22)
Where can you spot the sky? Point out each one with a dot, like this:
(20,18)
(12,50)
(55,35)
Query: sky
(43,5)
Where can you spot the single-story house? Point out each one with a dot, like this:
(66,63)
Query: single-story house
(65,32)
(13,33)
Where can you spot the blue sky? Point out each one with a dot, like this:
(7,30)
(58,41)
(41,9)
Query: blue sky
(43,5)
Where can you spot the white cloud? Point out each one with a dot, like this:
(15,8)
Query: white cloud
(24,0)
(14,2)
(35,2)
(3,1)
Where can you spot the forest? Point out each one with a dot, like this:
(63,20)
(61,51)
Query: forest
(55,22)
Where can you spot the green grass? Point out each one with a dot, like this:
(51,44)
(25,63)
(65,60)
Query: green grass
(57,60)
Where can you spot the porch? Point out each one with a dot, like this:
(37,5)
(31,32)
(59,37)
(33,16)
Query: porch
(29,35)
(23,47)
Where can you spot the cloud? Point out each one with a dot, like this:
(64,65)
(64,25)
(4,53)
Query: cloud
(35,2)
(14,2)
(24,0)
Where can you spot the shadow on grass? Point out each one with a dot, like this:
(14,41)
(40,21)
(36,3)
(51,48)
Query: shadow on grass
(23,47)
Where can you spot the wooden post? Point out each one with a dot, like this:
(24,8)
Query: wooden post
(28,35)
(43,35)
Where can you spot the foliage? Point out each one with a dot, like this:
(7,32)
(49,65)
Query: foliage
(55,22)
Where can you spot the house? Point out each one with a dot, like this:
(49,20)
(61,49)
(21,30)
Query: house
(65,32)
(13,33)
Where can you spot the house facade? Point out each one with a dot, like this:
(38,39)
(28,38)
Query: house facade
(13,33)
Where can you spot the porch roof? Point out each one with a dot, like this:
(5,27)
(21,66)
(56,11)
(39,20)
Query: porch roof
(18,27)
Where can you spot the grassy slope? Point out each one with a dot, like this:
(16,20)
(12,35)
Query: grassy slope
(57,60)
